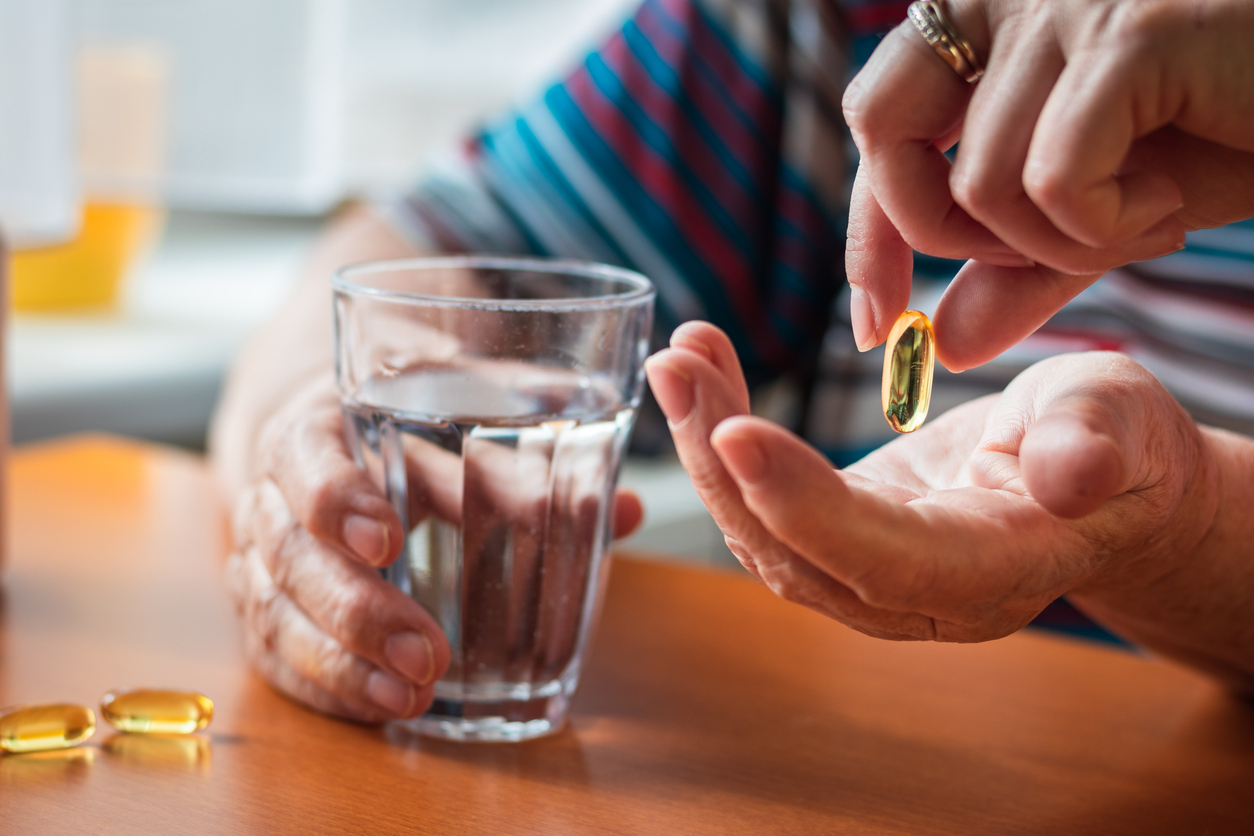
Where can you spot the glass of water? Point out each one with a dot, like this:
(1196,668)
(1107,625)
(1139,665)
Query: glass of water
(492,398)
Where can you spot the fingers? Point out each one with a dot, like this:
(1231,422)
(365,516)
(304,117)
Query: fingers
(991,183)
(879,264)
(988,172)
(803,502)
(698,384)
(1081,139)
(628,513)
(937,566)
(347,601)
(1217,181)
(712,344)
(334,499)
(903,100)
(987,309)
(304,662)
(989,176)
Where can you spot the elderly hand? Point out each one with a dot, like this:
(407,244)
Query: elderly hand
(1100,132)
(311,531)
(1083,474)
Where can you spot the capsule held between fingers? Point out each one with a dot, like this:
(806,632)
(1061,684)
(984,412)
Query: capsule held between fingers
(909,362)
(152,711)
(37,728)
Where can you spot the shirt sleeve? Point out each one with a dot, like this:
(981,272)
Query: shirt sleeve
(702,145)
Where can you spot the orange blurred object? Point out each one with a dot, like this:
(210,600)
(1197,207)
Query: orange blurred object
(88,271)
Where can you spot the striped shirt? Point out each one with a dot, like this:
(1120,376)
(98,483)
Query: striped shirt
(702,145)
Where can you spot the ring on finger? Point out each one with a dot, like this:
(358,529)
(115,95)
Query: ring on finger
(928,16)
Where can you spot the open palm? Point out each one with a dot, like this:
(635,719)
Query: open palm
(1085,472)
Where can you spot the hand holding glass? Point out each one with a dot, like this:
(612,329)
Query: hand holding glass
(493,399)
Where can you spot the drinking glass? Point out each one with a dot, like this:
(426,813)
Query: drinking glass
(493,398)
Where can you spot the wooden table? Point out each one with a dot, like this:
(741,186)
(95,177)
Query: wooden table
(709,706)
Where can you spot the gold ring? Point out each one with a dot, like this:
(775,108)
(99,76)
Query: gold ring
(929,18)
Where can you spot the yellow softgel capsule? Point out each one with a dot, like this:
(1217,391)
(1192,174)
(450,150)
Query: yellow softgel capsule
(147,710)
(909,359)
(36,728)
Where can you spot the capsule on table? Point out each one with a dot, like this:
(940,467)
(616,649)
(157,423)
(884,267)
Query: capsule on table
(146,710)
(909,359)
(36,728)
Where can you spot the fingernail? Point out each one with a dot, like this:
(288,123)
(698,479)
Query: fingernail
(411,654)
(390,694)
(862,317)
(741,455)
(367,538)
(675,400)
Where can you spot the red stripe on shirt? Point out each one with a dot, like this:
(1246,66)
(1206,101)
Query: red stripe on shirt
(691,147)
(706,43)
(658,178)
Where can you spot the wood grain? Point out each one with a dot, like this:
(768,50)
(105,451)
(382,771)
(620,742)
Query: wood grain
(709,706)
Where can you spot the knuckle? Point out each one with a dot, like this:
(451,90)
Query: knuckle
(269,519)
(854,105)
(352,614)
(1137,27)
(1049,186)
(325,664)
(289,544)
(244,517)
(265,616)
(237,580)
(978,190)
(323,503)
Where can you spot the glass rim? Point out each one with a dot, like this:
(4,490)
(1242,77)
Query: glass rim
(640,288)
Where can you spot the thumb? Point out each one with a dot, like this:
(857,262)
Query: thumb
(1078,454)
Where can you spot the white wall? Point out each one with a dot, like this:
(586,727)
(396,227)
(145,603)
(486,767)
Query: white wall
(38,189)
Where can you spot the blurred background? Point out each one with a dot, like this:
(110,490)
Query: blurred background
(165,165)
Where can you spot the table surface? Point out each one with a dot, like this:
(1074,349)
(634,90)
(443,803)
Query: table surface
(708,706)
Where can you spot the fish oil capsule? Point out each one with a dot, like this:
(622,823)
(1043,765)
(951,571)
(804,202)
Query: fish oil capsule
(909,358)
(36,728)
(145,710)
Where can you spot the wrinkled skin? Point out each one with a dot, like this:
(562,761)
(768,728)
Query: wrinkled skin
(1101,131)
(310,532)
(1084,474)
